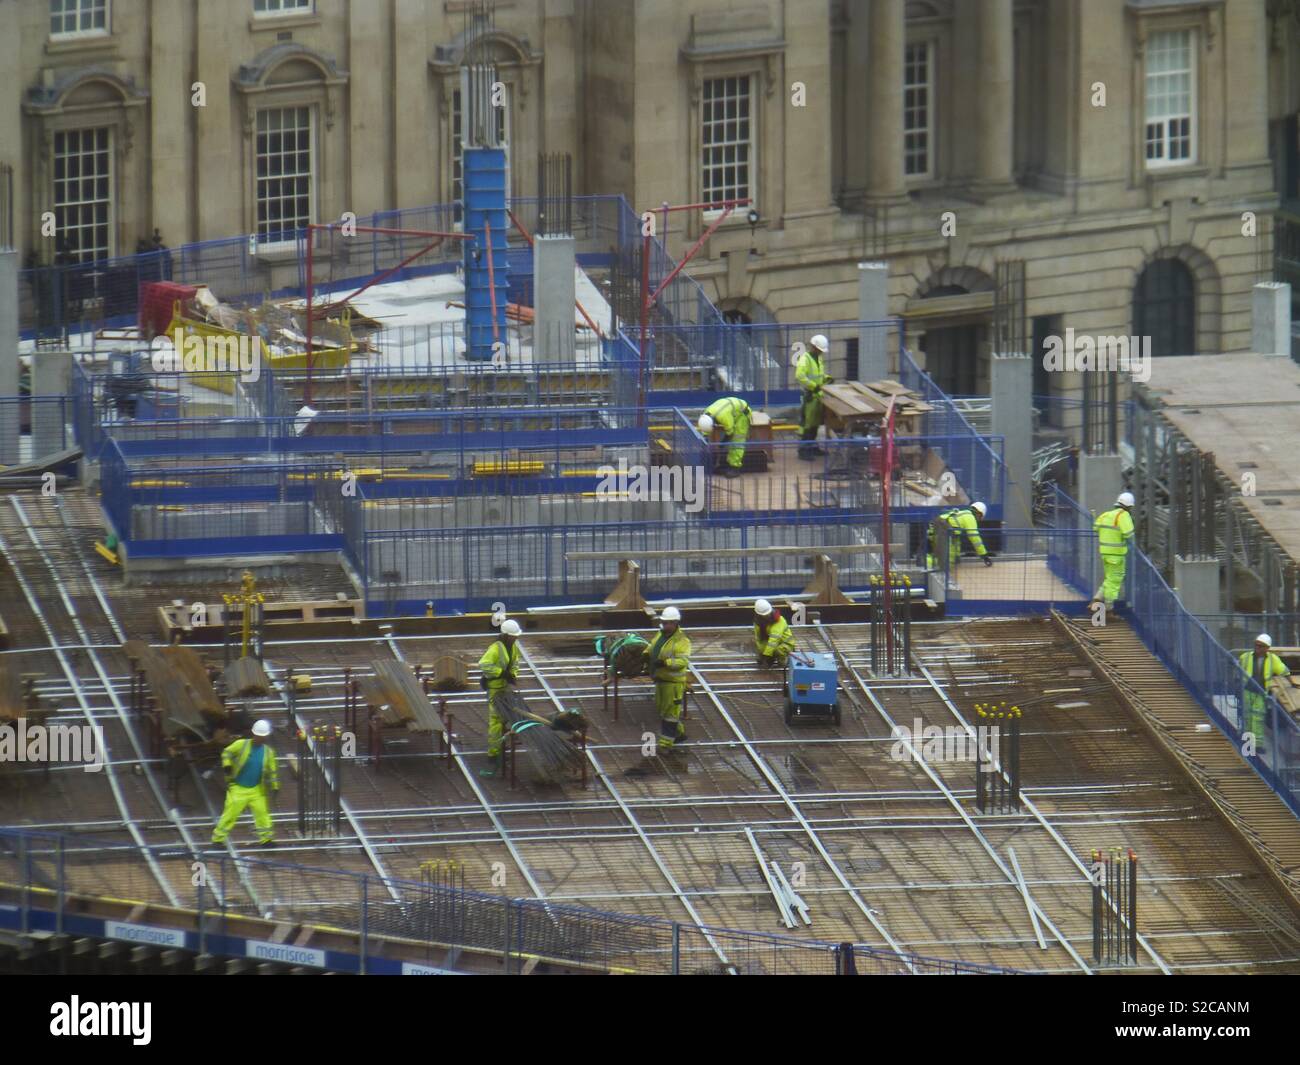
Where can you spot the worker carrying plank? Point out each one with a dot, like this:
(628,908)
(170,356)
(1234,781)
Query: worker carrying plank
(669,662)
(811,374)
(251,781)
(500,670)
(1260,665)
(773,637)
(732,415)
(1114,531)
(960,522)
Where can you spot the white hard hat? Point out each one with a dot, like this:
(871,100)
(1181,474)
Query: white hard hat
(262,727)
(705,423)
(670,613)
(1265,639)
(979,509)
(820,343)
(1125,499)
(510,627)
(762,607)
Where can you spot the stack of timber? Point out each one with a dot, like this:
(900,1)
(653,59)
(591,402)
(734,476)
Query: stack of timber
(178,681)
(854,408)
(396,696)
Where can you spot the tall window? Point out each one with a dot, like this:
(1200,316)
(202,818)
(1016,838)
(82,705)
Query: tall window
(282,7)
(284,172)
(918,109)
(83,182)
(71,17)
(1164,307)
(727,138)
(458,147)
(1170,99)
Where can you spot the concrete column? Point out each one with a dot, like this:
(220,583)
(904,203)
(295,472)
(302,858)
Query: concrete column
(873,306)
(220,198)
(884,103)
(996,107)
(1270,319)
(1012,386)
(553,297)
(1196,580)
(9,355)
(51,376)
(1101,479)
(170,115)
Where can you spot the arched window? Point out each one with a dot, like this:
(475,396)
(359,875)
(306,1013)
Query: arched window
(1164,307)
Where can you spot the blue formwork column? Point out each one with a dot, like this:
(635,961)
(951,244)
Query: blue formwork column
(485,204)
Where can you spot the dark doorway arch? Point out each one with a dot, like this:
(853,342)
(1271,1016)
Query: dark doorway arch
(1164,307)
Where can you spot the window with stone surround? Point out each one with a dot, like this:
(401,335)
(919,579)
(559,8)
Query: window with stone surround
(918,109)
(282,7)
(83,193)
(1170,69)
(727,139)
(78,18)
(284,172)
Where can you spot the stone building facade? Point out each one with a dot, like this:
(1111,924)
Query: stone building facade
(1023,166)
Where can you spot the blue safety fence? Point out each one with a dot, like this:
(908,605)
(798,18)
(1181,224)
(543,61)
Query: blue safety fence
(1031,570)
(48,879)
(468,569)
(1189,651)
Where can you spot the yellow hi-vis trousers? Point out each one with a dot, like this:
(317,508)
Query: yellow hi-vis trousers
(668,701)
(237,798)
(1112,585)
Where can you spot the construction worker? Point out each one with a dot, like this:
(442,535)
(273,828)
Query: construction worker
(811,374)
(622,653)
(960,521)
(669,660)
(500,669)
(731,414)
(1114,531)
(1260,665)
(773,637)
(251,779)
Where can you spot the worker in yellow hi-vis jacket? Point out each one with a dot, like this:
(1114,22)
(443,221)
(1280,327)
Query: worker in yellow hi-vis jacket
(810,372)
(731,414)
(773,637)
(1260,665)
(251,780)
(500,669)
(669,662)
(961,522)
(1114,531)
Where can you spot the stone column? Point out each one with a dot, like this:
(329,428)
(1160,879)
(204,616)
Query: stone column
(884,103)
(996,107)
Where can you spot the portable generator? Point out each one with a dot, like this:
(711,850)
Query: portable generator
(812,688)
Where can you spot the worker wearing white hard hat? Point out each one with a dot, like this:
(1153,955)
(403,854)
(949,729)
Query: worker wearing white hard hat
(773,637)
(1260,666)
(499,667)
(669,661)
(810,372)
(1114,531)
(960,525)
(252,779)
(731,415)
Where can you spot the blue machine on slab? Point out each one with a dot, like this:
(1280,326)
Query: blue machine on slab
(812,688)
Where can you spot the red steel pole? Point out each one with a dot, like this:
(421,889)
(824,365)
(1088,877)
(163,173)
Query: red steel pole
(310,277)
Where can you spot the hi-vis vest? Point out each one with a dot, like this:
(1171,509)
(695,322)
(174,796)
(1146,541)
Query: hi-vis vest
(670,657)
(726,411)
(1114,530)
(497,664)
(234,757)
(809,371)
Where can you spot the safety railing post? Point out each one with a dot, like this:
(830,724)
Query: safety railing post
(677,949)
(61,889)
(25,879)
(365,921)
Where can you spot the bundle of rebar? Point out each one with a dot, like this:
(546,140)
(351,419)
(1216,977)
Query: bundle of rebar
(1114,907)
(997,758)
(549,751)
(320,764)
(625,654)
(891,625)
